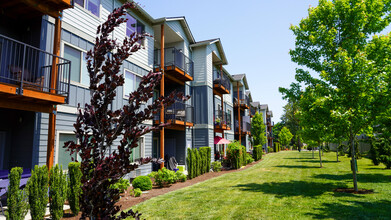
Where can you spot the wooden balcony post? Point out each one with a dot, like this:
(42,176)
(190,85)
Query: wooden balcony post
(222,102)
(162,94)
(53,81)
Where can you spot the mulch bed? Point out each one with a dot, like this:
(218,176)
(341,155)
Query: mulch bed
(128,201)
(351,190)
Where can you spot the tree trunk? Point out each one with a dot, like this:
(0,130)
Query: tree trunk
(320,156)
(353,161)
(313,156)
(337,153)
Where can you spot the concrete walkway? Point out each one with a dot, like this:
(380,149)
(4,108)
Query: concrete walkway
(28,216)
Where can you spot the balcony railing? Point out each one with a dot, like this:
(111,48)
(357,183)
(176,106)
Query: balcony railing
(174,58)
(177,112)
(31,68)
(221,79)
(246,127)
(222,119)
(242,100)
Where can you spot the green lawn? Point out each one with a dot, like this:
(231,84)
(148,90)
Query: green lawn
(285,185)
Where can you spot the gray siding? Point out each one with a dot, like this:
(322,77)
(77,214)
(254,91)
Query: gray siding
(203,101)
(177,28)
(199,58)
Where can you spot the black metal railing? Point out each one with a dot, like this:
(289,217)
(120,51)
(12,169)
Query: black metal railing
(31,68)
(246,127)
(179,111)
(219,78)
(222,118)
(243,98)
(175,58)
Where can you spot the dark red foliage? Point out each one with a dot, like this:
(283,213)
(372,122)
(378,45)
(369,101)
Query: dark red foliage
(98,127)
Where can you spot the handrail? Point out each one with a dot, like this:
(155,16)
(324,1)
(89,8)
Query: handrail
(222,118)
(176,58)
(179,111)
(221,79)
(30,67)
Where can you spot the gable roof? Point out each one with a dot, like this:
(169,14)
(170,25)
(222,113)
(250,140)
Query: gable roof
(264,106)
(240,77)
(219,45)
(182,21)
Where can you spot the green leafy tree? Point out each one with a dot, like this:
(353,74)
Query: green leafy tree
(258,129)
(277,129)
(337,42)
(285,136)
(291,120)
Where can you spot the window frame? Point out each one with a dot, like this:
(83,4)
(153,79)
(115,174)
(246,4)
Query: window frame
(58,133)
(142,149)
(80,84)
(142,42)
(126,96)
(84,7)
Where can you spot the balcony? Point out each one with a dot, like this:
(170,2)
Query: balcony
(177,67)
(243,101)
(27,77)
(178,116)
(245,129)
(222,121)
(30,8)
(221,83)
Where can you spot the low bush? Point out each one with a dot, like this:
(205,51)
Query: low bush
(198,161)
(57,192)
(137,192)
(235,154)
(341,149)
(381,151)
(181,177)
(257,152)
(16,198)
(122,185)
(270,150)
(37,187)
(163,177)
(216,166)
(142,182)
(74,186)
(249,158)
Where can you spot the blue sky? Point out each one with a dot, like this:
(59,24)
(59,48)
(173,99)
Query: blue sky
(255,35)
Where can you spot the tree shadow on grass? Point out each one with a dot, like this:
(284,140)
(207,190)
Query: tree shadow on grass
(361,177)
(353,210)
(291,188)
(296,166)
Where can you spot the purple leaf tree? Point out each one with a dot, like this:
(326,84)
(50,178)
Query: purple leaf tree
(98,127)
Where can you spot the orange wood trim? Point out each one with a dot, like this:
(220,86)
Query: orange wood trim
(162,93)
(51,134)
(175,79)
(9,89)
(50,97)
(42,7)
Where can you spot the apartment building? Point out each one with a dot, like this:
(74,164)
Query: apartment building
(43,78)
(242,110)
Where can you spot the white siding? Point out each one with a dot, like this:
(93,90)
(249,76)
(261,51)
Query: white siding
(213,47)
(81,19)
(209,67)
(177,28)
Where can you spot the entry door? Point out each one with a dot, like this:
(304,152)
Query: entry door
(2,149)
(170,148)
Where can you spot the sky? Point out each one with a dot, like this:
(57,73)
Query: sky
(255,36)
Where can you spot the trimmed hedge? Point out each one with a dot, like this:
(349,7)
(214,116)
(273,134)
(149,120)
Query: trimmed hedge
(236,154)
(257,152)
(198,161)
(37,187)
(57,192)
(16,198)
(142,182)
(74,186)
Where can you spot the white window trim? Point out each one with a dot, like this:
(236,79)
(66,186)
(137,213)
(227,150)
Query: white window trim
(63,43)
(125,96)
(87,11)
(58,143)
(142,153)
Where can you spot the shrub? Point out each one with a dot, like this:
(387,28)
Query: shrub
(341,149)
(216,166)
(142,182)
(37,187)
(122,185)
(270,150)
(257,152)
(243,160)
(189,162)
(235,154)
(163,177)
(57,192)
(16,198)
(249,158)
(180,176)
(194,163)
(205,159)
(137,192)
(74,186)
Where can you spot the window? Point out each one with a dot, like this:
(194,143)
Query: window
(133,25)
(63,156)
(90,5)
(79,71)
(138,152)
(132,82)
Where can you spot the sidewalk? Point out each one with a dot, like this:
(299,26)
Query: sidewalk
(28,217)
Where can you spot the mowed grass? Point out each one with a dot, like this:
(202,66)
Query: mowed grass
(285,185)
